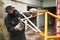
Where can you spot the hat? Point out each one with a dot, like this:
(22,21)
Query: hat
(8,7)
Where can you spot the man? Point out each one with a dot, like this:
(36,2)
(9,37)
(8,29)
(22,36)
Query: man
(14,26)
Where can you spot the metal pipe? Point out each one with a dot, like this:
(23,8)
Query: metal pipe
(33,16)
(29,26)
(26,24)
(40,33)
(53,37)
(46,26)
(30,21)
(55,16)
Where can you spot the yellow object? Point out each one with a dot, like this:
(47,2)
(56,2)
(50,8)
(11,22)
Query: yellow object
(46,24)
(53,15)
(41,34)
(53,37)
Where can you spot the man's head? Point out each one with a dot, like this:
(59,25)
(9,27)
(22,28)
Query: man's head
(9,9)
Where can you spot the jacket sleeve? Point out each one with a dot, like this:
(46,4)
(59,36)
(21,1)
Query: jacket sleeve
(9,26)
(26,14)
(17,13)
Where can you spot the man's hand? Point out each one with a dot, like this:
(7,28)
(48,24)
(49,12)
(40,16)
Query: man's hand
(19,27)
(33,10)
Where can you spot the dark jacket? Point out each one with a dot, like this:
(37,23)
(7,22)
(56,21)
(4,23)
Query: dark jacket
(11,20)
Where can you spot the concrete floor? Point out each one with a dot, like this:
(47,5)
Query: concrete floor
(31,35)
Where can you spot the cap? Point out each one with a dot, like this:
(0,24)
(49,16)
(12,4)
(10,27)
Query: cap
(8,7)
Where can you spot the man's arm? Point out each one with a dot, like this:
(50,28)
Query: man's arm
(25,13)
(9,25)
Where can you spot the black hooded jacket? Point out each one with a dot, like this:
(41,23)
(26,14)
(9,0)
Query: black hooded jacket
(11,20)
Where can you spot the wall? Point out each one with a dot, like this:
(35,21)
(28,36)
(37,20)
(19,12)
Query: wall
(40,21)
(18,6)
(49,3)
(32,2)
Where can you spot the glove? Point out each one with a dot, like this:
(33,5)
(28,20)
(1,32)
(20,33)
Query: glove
(19,27)
(33,10)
